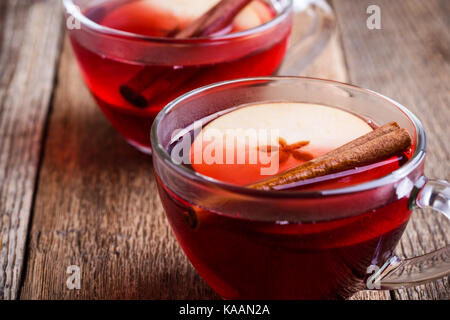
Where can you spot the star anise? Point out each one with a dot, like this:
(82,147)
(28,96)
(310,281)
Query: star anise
(287,150)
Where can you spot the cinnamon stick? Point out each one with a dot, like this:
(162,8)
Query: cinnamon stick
(378,132)
(144,86)
(382,143)
(217,18)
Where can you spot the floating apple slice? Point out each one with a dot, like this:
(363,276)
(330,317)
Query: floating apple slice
(253,15)
(294,132)
(157,18)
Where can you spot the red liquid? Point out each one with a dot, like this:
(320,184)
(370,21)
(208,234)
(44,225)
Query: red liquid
(243,259)
(104,75)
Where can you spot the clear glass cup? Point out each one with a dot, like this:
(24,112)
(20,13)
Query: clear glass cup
(327,244)
(110,59)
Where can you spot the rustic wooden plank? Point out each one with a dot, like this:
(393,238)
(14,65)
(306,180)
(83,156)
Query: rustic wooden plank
(30,34)
(409,61)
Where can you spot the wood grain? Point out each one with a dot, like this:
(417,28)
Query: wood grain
(30,34)
(409,61)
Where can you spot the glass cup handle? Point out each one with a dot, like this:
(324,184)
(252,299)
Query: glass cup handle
(400,273)
(307,44)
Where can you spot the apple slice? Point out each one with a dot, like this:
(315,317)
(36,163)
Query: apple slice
(253,15)
(296,131)
(157,18)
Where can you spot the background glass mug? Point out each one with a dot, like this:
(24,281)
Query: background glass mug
(297,244)
(110,58)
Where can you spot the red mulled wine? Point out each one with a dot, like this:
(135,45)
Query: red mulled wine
(242,258)
(172,67)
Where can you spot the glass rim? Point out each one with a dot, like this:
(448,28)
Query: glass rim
(392,177)
(73,10)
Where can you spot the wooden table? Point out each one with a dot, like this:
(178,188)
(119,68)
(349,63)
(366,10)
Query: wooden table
(73,192)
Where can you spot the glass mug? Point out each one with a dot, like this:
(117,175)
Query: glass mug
(110,58)
(327,244)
